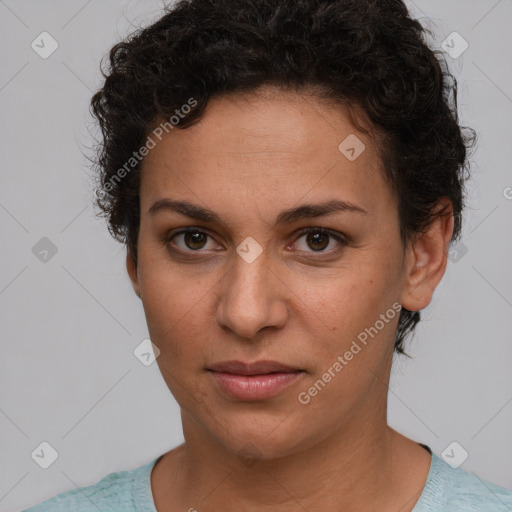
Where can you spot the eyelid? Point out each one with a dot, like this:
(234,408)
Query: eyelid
(318,229)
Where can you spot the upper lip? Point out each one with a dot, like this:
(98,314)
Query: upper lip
(256,368)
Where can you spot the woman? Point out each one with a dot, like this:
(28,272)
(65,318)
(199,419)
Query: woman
(287,177)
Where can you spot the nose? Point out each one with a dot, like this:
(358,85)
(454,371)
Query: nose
(253,297)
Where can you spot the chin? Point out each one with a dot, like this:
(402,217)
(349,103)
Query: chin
(261,437)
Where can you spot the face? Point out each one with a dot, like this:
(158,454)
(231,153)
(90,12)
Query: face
(249,284)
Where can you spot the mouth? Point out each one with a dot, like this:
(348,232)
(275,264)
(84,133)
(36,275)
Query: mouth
(253,381)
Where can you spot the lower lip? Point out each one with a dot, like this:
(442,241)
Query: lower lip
(254,387)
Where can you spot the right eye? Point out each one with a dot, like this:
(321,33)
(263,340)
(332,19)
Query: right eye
(192,240)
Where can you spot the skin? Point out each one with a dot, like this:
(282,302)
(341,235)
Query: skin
(248,158)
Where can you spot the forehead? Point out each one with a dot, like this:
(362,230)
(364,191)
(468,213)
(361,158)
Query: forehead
(277,144)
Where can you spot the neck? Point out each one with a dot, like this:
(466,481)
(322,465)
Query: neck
(341,474)
(362,466)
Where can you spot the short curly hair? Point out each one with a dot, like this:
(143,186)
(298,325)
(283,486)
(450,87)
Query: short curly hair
(365,53)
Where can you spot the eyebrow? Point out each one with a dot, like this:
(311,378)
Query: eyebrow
(304,211)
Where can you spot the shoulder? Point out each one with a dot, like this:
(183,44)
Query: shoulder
(472,493)
(125,490)
(455,490)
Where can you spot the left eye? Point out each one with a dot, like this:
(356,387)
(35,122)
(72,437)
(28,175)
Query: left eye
(318,239)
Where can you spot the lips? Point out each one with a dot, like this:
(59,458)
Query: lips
(256,368)
(253,381)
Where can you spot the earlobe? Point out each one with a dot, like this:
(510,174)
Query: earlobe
(131,267)
(427,258)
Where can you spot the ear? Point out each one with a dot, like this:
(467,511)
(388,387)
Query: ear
(427,258)
(131,267)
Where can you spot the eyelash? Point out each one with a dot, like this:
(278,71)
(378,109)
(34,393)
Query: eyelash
(341,241)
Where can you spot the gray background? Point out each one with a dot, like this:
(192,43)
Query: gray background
(69,326)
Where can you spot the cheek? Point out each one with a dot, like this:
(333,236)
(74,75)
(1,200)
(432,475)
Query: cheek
(352,296)
(347,308)
(174,307)
(352,345)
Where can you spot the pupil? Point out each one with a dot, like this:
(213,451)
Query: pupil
(193,238)
(315,238)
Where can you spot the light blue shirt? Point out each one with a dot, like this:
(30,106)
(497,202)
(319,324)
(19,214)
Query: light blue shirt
(446,490)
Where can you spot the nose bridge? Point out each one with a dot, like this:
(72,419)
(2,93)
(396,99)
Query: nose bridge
(248,278)
(249,301)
